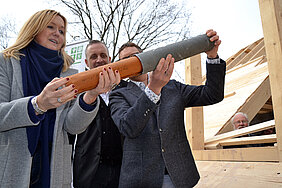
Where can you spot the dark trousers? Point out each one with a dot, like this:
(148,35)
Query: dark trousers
(36,167)
(107,176)
(37,178)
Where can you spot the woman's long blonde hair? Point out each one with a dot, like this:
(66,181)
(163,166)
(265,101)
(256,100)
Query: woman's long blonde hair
(34,25)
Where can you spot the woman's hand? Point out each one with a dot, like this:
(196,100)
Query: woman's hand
(108,79)
(56,93)
(53,96)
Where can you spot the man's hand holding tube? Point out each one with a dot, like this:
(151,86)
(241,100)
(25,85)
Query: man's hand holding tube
(161,75)
(107,78)
(213,38)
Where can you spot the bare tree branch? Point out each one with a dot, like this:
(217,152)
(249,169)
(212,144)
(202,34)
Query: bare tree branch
(146,22)
(7,31)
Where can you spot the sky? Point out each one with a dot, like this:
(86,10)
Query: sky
(237,22)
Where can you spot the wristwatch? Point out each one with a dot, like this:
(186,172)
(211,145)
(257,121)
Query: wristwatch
(35,106)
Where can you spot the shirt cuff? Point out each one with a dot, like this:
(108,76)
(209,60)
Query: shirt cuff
(152,96)
(85,106)
(213,60)
(31,112)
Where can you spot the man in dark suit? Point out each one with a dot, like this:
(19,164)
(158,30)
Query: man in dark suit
(98,150)
(149,112)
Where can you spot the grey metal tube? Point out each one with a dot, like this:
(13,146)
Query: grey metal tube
(180,50)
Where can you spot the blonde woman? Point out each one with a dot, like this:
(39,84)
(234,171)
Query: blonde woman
(37,110)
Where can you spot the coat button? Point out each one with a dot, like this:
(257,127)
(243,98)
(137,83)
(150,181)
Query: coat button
(163,150)
(160,130)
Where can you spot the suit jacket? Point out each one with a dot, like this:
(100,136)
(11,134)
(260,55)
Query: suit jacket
(88,149)
(155,135)
(87,153)
(89,145)
(15,158)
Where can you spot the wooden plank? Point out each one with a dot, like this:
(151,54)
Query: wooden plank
(240,132)
(260,53)
(252,105)
(245,64)
(219,174)
(194,116)
(268,106)
(239,85)
(243,141)
(271,138)
(269,154)
(265,111)
(229,94)
(259,57)
(253,52)
(215,145)
(263,60)
(242,55)
(230,59)
(271,17)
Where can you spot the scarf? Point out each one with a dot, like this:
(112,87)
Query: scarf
(39,66)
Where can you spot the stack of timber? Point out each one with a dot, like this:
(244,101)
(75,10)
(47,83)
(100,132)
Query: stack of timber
(239,174)
(247,90)
(253,86)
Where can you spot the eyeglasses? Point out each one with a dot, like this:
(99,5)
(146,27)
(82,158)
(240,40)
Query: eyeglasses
(238,122)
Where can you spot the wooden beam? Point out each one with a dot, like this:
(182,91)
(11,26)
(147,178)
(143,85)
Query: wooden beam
(252,53)
(194,115)
(263,60)
(229,94)
(271,17)
(268,106)
(271,138)
(244,65)
(240,132)
(238,154)
(230,59)
(246,51)
(222,174)
(252,105)
(260,53)
(215,145)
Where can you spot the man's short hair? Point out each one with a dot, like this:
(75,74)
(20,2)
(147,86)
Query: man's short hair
(129,44)
(95,42)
